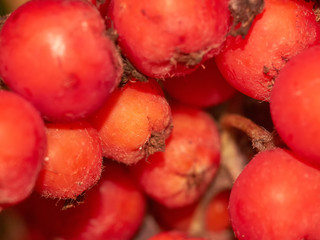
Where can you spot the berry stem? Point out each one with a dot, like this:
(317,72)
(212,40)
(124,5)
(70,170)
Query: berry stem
(243,13)
(262,139)
(130,71)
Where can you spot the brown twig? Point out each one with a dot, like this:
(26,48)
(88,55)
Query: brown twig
(244,13)
(130,71)
(261,139)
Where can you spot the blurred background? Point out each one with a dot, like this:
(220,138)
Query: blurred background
(6,6)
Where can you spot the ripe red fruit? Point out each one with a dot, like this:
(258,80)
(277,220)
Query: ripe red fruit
(282,30)
(73,162)
(113,209)
(173,235)
(179,176)
(43,58)
(134,122)
(294,104)
(212,216)
(180,218)
(276,197)
(204,87)
(23,145)
(216,213)
(168,38)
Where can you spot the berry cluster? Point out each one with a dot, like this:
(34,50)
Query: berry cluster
(160,120)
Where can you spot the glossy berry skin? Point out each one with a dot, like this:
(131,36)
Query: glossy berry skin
(205,87)
(178,176)
(168,38)
(282,30)
(295,102)
(73,161)
(23,147)
(276,197)
(43,58)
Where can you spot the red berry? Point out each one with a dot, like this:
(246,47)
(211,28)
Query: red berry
(134,122)
(74,160)
(282,30)
(173,235)
(113,209)
(180,175)
(276,197)
(178,218)
(167,38)
(216,213)
(205,87)
(55,53)
(23,145)
(294,104)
